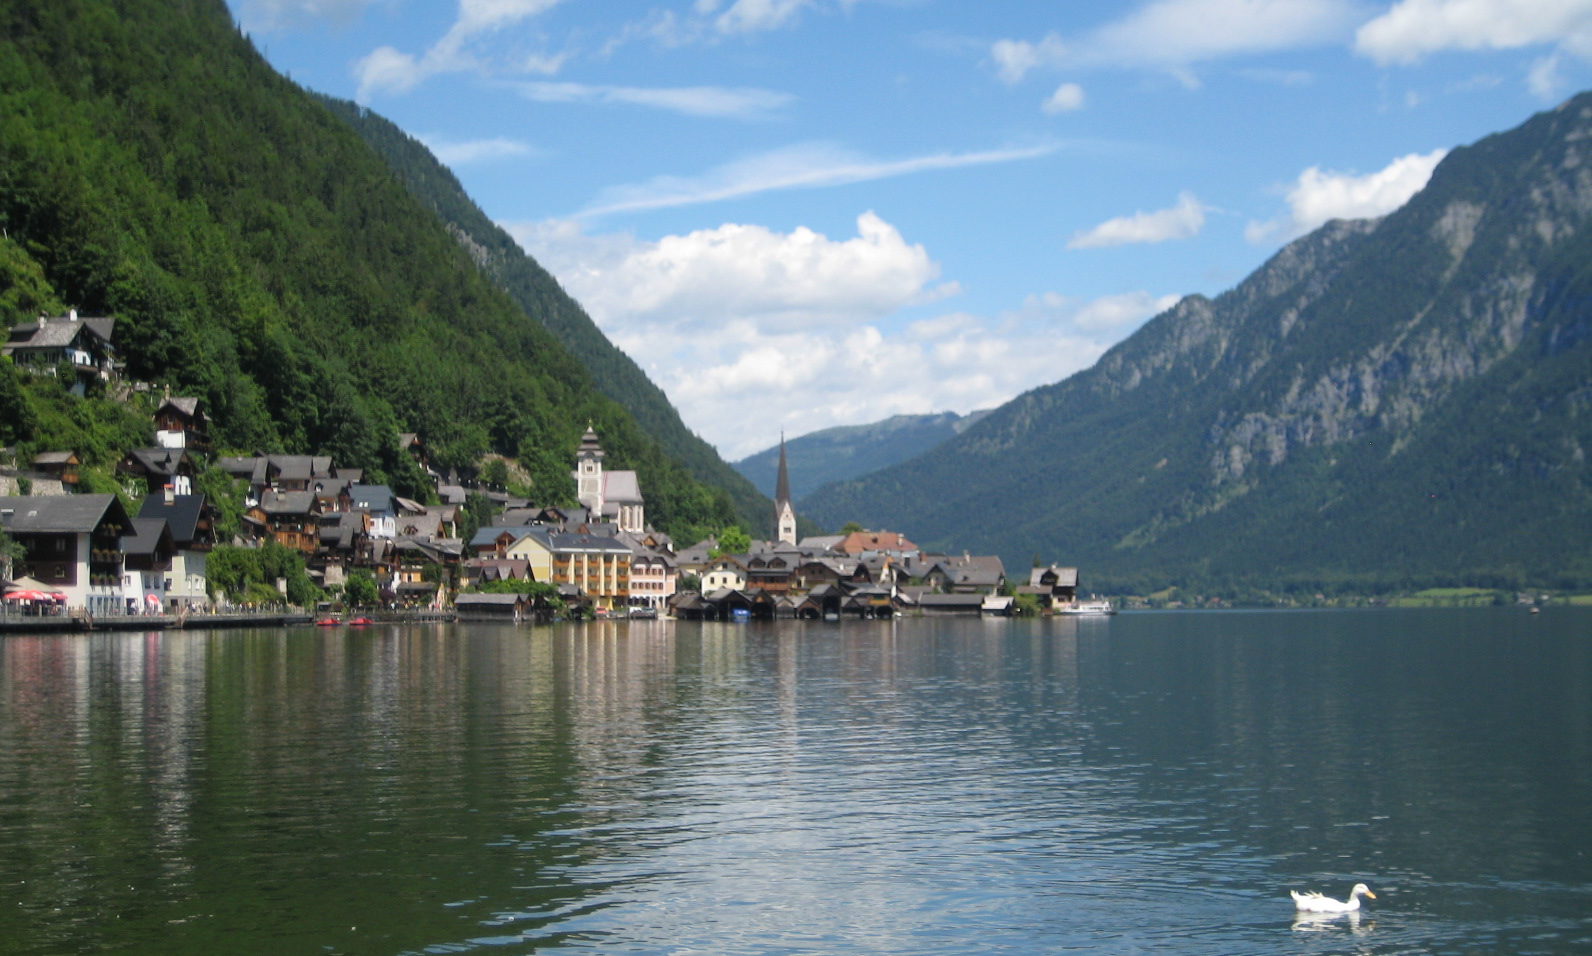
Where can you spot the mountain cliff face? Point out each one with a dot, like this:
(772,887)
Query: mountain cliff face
(1387,401)
(851,451)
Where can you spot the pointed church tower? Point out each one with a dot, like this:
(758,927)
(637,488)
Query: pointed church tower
(589,473)
(784,511)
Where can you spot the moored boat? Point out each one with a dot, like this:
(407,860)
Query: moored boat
(1094,606)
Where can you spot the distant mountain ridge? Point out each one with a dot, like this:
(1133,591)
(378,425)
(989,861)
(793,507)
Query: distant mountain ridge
(1393,401)
(851,451)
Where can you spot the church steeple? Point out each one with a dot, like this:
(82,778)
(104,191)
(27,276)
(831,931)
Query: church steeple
(784,511)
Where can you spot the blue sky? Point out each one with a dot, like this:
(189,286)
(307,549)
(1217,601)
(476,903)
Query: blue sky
(802,213)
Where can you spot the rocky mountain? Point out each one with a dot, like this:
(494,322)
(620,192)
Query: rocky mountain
(1382,403)
(851,451)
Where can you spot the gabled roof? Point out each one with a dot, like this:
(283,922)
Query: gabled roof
(1065,577)
(517,533)
(160,461)
(621,487)
(60,331)
(55,458)
(182,514)
(147,536)
(288,502)
(376,499)
(61,514)
(187,407)
(251,468)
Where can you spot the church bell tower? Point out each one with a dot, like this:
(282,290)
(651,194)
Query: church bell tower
(784,511)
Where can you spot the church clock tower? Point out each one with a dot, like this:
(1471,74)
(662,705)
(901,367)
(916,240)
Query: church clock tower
(589,473)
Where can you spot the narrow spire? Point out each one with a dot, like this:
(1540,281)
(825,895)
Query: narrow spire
(782,485)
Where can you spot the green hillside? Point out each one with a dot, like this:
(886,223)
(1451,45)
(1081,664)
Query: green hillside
(1384,403)
(540,295)
(257,253)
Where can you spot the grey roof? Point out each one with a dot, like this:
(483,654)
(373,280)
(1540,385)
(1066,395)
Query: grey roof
(341,528)
(822,542)
(377,499)
(424,525)
(1065,577)
(252,468)
(60,514)
(182,514)
(161,461)
(621,487)
(58,332)
(587,542)
(54,457)
(491,600)
(488,535)
(187,406)
(287,502)
(145,536)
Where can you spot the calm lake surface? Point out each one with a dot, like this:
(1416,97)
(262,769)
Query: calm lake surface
(1154,782)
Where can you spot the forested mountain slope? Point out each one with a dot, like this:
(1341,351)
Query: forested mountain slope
(257,253)
(1396,401)
(851,451)
(542,298)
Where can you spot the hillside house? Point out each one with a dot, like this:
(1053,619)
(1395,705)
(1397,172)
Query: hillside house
(181,423)
(147,553)
(81,344)
(71,543)
(191,520)
(159,468)
(58,466)
(1053,585)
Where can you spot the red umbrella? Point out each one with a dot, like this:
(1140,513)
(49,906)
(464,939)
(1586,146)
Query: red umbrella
(29,596)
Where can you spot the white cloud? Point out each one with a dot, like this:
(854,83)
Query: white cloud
(714,101)
(1122,311)
(724,318)
(1014,59)
(745,273)
(1174,35)
(1319,196)
(1068,97)
(1181,221)
(1412,29)
(805,166)
(1182,32)
(387,69)
(476,151)
(752,16)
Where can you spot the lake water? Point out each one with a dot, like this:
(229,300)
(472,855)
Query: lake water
(1154,782)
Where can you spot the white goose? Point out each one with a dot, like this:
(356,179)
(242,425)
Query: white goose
(1316,903)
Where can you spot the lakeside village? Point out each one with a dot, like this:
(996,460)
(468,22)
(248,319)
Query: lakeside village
(87,560)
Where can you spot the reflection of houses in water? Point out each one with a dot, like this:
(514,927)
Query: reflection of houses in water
(824,602)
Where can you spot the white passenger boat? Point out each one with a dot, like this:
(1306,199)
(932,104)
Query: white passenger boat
(1094,606)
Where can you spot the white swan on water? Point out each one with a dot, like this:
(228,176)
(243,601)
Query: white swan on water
(1316,903)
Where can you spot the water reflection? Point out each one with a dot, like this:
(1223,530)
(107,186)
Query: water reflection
(1152,782)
